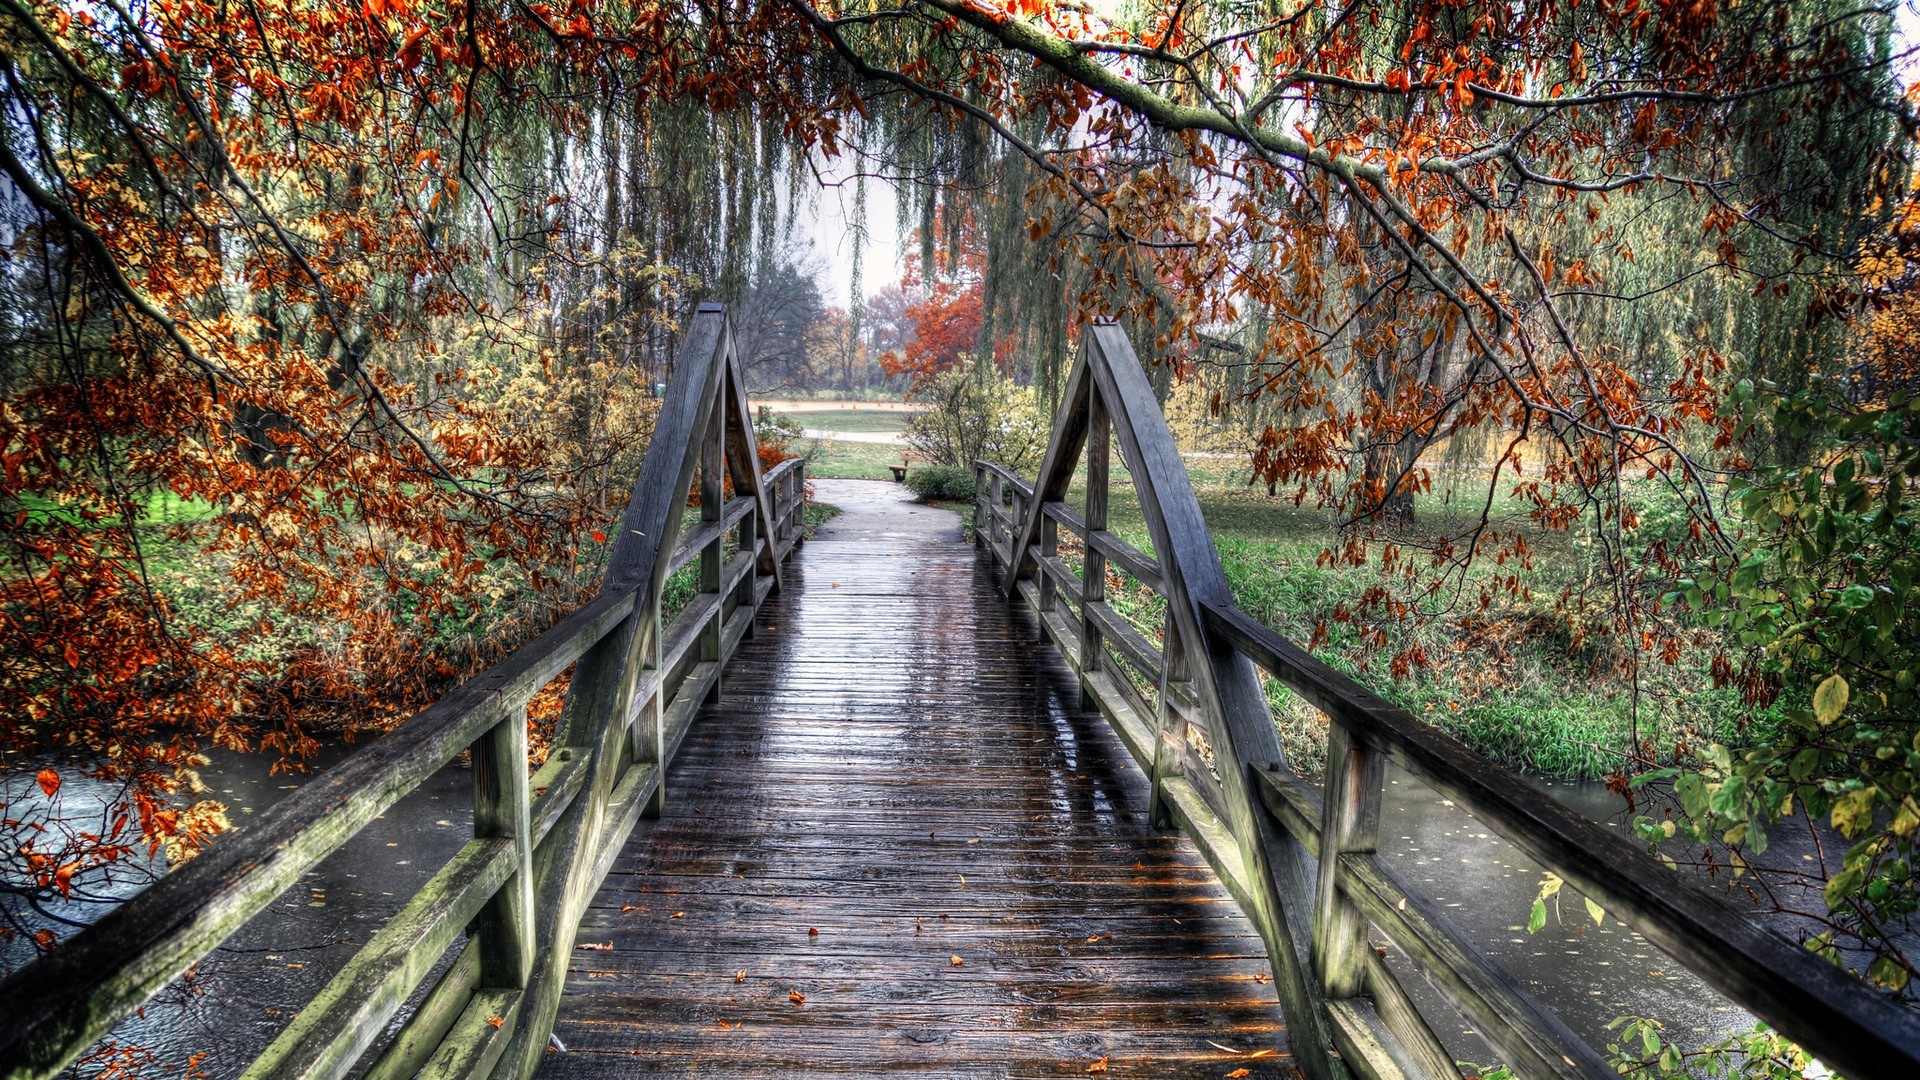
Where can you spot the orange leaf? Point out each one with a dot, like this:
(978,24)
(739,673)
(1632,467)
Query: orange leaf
(955,960)
(49,781)
(1099,1066)
(1240,1072)
(796,997)
(495,1021)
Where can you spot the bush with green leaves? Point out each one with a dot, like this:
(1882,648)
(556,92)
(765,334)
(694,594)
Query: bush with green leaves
(975,415)
(941,483)
(1819,593)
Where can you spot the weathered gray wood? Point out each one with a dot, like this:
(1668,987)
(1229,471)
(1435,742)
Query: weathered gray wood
(478,1036)
(554,788)
(1848,1026)
(1093,565)
(1240,724)
(1056,468)
(1526,1036)
(345,1018)
(502,808)
(1125,637)
(1294,803)
(701,536)
(743,465)
(438,1011)
(1368,1047)
(1144,568)
(1418,1045)
(1350,825)
(1169,725)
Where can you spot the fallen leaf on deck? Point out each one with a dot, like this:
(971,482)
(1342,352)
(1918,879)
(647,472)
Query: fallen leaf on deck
(796,997)
(678,915)
(1268,1052)
(955,960)
(1099,1066)
(1263,978)
(811,932)
(1239,1072)
(1223,1046)
(496,1021)
(740,976)
(596,947)
(726,1026)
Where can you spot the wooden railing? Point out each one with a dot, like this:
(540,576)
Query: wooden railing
(541,843)
(1302,859)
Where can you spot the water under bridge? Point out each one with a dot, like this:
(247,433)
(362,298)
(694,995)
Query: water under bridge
(887,801)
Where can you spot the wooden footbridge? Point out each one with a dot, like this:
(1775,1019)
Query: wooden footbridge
(845,814)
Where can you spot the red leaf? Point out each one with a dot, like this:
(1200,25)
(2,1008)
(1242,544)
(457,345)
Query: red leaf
(49,781)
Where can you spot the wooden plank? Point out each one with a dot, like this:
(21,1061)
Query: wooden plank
(477,1039)
(502,808)
(1239,722)
(344,1019)
(1293,802)
(554,788)
(1125,637)
(697,539)
(1525,1035)
(1349,825)
(1848,1026)
(821,795)
(438,1011)
(1366,1044)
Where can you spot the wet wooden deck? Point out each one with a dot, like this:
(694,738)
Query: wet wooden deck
(895,846)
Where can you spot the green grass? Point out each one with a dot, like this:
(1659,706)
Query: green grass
(1530,699)
(846,460)
(867,421)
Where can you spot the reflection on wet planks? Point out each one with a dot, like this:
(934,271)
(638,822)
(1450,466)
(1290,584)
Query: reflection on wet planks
(892,846)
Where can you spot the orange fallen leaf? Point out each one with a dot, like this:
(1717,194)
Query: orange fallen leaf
(49,780)
(1138,866)
(796,997)
(811,932)
(1099,1066)
(678,915)
(1263,978)
(495,1021)
(624,908)
(955,961)
(1240,1072)
(725,1026)
(1268,1052)
(740,976)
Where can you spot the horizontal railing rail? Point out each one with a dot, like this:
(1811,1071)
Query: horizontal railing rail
(1303,859)
(541,842)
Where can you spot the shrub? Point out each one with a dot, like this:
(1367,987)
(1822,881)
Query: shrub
(941,483)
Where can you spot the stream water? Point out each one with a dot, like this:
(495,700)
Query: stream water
(240,997)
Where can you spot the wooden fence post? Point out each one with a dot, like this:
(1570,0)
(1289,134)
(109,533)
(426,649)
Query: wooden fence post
(501,807)
(1093,564)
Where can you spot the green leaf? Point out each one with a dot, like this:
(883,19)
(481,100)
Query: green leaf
(1595,912)
(1538,919)
(1830,699)
(1853,812)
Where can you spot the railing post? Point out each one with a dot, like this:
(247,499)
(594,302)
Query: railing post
(1049,548)
(1349,825)
(713,465)
(1169,725)
(648,738)
(750,543)
(1093,565)
(501,807)
(981,522)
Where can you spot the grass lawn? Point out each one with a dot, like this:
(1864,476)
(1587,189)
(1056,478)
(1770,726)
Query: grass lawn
(844,459)
(1525,694)
(858,420)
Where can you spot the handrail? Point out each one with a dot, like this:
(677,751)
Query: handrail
(1302,860)
(541,844)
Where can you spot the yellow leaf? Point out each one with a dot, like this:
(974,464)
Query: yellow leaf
(1239,1072)
(1098,1066)
(1830,699)
(1853,811)
(955,960)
